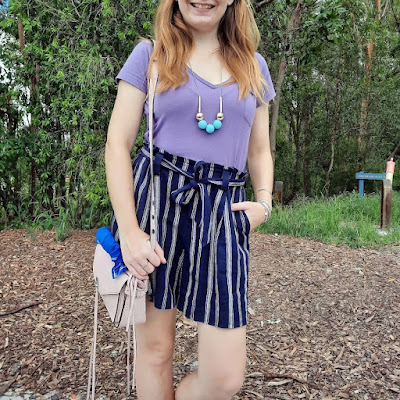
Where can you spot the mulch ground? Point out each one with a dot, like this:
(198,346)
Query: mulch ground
(324,321)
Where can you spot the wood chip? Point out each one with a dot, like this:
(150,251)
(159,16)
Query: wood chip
(334,336)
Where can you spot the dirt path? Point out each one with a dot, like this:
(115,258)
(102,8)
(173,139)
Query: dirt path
(324,321)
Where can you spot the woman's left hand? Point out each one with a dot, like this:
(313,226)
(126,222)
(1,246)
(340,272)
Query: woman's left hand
(255,212)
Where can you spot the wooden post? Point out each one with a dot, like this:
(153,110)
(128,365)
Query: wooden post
(278,192)
(361,188)
(386,204)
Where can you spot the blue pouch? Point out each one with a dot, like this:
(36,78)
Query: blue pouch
(105,238)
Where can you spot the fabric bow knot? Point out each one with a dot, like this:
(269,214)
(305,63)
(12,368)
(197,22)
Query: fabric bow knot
(184,195)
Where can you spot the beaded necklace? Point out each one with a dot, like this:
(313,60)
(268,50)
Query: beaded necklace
(202,124)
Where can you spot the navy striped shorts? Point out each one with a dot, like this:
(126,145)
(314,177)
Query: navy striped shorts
(205,243)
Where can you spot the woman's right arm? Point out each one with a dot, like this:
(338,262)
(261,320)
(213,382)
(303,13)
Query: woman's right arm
(122,133)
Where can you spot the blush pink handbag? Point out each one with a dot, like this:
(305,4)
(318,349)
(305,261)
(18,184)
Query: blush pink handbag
(124,299)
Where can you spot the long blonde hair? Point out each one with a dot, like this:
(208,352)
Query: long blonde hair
(238,37)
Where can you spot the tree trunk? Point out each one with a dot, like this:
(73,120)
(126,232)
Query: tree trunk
(21,35)
(296,127)
(334,130)
(275,107)
(363,137)
(396,152)
(306,145)
(34,81)
(292,27)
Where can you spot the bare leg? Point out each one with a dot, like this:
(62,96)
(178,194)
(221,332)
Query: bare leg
(155,349)
(222,364)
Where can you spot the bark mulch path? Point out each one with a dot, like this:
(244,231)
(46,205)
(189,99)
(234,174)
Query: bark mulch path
(324,320)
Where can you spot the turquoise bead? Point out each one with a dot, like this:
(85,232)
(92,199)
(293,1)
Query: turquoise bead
(217,124)
(202,124)
(210,128)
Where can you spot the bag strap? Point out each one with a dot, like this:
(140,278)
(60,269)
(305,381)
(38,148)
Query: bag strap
(152,84)
(92,364)
(91,387)
(132,287)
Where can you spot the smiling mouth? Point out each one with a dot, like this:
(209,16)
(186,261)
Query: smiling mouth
(202,6)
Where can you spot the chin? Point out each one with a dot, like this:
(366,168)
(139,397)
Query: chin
(202,19)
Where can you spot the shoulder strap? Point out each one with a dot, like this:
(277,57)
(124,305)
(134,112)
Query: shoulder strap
(91,387)
(152,90)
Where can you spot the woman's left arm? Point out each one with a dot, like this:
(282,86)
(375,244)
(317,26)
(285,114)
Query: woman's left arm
(260,167)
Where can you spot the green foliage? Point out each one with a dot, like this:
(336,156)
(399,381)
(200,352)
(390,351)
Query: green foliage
(343,220)
(57,95)
(64,81)
(326,54)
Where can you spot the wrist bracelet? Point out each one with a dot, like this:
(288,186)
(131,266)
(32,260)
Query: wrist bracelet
(265,190)
(268,209)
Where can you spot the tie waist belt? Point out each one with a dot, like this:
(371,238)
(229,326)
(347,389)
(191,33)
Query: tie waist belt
(197,181)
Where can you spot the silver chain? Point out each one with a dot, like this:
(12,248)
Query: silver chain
(195,81)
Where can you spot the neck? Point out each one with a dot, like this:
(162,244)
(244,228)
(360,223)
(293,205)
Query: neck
(205,41)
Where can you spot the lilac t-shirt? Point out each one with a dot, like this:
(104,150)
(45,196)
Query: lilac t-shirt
(175,124)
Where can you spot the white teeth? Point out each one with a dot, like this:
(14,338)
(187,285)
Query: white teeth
(202,5)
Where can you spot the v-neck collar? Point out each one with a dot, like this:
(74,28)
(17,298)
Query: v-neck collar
(211,85)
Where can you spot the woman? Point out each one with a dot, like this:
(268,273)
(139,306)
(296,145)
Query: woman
(205,52)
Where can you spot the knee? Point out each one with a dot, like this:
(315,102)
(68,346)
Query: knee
(157,353)
(226,384)
(231,384)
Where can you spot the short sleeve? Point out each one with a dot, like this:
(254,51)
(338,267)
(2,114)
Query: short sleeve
(270,91)
(134,71)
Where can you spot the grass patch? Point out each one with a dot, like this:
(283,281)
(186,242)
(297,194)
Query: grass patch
(344,220)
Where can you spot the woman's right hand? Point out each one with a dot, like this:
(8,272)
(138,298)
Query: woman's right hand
(137,252)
